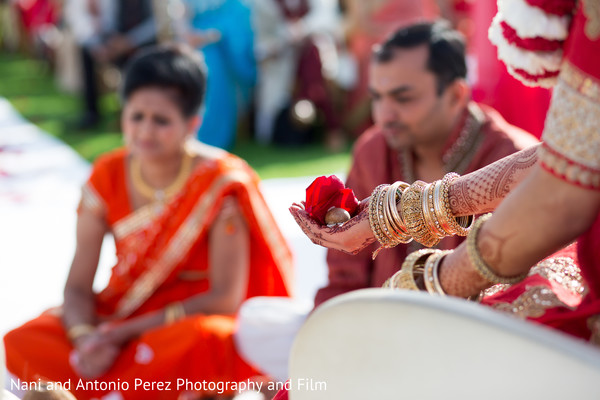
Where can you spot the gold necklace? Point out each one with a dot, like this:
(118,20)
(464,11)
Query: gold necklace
(160,195)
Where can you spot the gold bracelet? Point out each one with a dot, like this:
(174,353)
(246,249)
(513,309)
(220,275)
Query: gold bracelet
(429,215)
(452,225)
(397,229)
(174,312)
(437,285)
(388,230)
(430,272)
(412,265)
(396,218)
(374,219)
(412,214)
(479,264)
(79,330)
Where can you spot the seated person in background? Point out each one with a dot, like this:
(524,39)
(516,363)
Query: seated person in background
(425,126)
(222,32)
(194,238)
(291,38)
(121,27)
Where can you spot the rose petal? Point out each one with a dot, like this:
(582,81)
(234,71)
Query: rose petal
(326,192)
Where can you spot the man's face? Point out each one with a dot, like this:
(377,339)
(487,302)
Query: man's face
(405,102)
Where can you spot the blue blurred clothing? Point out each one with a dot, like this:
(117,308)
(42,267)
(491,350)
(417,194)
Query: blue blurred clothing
(231,66)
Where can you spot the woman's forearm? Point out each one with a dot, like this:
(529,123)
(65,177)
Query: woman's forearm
(78,308)
(483,190)
(540,216)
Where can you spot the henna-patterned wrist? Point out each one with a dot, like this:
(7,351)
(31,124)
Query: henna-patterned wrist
(481,191)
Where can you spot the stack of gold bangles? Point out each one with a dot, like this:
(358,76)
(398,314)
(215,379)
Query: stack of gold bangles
(419,268)
(386,223)
(425,214)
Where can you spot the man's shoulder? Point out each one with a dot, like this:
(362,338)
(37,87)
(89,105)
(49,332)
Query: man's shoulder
(500,131)
(371,140)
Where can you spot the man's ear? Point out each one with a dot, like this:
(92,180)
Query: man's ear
(459,94)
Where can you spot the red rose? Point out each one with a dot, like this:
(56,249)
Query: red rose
(326,192)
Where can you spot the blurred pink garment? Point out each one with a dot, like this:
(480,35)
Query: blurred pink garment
(494,86)
(37,13)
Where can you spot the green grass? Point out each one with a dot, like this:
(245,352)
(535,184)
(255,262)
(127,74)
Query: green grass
(29,85)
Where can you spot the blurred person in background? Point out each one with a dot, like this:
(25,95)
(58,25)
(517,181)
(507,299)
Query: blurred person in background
(109,32)
(295,39)
(221,30)
(9,28)
(36,17)
(176,208)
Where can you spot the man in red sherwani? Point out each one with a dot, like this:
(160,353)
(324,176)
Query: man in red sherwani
(425,126)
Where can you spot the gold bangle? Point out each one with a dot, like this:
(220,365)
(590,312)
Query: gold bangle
(412,214)
(437,285)
(174,312)
(452,225)
(479,264)
(374,219)
(387,229)
(412,265)
(431,220)
(397,230)
(438,206)
(79,330)
(394,199)
(430,272)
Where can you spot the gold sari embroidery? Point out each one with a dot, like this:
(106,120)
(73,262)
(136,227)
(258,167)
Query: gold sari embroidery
(571,136)
(91,200)
(134,222)
(177,248)
(535,300)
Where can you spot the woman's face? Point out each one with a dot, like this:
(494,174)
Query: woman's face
(153,125)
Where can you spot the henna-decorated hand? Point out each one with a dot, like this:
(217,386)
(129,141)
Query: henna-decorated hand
(350,237)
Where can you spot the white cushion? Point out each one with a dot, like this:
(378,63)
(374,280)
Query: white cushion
(382,344)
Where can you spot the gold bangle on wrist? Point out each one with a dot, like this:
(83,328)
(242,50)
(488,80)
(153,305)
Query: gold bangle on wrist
(430,272)
(174,312)
(79,330)
(452,225)
(397,229)
(430,217)
(479,264)
(414,217)
(387,225)
(437,285)
(411,267)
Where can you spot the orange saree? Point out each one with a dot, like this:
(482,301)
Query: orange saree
(162,257)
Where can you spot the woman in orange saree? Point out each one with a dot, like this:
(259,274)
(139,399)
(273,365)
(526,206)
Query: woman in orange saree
(194,238)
